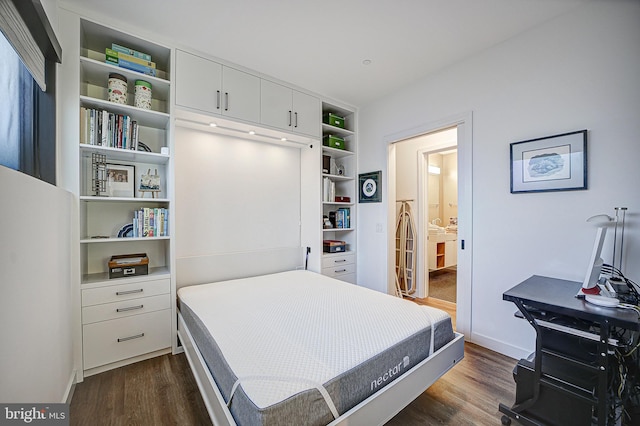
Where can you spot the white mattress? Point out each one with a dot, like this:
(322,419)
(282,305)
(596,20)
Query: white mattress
(329,328)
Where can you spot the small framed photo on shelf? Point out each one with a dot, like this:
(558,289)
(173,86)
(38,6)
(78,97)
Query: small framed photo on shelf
(551,163)
(120,180)
(150,183)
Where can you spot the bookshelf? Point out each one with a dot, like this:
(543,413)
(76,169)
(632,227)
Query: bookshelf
(339,172)
(121,320)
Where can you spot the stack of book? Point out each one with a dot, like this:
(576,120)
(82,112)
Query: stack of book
(104,128)
(130,59)
(328,190)
(151,222)
(341,218)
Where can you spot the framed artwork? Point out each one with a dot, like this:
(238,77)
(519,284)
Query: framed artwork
(120,180)
(552,163)
(370,191)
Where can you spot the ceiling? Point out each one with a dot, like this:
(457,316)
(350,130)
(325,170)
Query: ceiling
(321,45)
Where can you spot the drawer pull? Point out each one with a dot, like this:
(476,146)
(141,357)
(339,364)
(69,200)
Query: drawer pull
(124,339)
(121,293)
(130,308)
(340,270)
(340,261)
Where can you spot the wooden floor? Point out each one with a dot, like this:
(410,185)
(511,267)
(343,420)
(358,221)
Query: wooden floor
(162,391)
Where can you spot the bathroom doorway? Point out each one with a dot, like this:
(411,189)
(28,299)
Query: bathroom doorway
(427,183)
(408,180)
(441,194)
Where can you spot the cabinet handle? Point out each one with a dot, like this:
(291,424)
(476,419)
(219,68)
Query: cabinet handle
(340,270)
(124,339)
(340,261)
(121,293)
(296,125)
(226,100)
(217,99)
(289,118)
(131,308)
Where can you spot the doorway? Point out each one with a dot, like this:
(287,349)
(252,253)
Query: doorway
(450,141)
(440,194)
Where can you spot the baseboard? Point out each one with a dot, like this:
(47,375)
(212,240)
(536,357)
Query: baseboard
(70,389)
(509,350)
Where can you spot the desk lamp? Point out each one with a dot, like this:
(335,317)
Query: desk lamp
(592,287)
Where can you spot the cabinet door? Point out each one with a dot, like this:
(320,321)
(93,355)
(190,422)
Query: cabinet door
(432,250)
(275,105)
(450,253)
(307,112)
(198,83)
(241,95)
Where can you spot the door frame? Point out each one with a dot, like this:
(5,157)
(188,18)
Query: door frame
(464,124)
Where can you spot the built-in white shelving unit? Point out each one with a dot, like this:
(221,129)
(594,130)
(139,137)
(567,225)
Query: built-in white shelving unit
(122,320)
(339,170)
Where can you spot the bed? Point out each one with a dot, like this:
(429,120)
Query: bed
(297,347)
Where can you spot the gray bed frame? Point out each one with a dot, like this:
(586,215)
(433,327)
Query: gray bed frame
(378,409)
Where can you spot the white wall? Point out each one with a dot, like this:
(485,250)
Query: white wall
(36,356)
(579,71)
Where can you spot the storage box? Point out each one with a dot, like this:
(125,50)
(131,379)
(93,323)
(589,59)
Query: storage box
(128,265)
(333,246)
(333,141)
(333,119)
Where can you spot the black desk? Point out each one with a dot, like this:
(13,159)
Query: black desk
(566,380)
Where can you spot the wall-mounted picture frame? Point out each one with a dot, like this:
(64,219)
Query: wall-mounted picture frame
(120,180)
(551,163)
(370,190)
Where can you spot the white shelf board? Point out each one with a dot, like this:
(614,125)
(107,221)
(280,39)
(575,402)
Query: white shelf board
(335,203)
(337,177)
(144,117)
(93,198)
(338,229)
(120,240)
(102,278)
(328,128)
(125,154)
(335,152)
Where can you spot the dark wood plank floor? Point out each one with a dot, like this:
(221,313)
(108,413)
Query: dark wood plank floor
(162,391)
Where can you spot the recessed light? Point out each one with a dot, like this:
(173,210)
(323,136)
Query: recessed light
(212,124)
(251,132)
(283,139)
(366,62)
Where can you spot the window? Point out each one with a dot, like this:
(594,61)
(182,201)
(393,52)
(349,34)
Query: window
(27,107)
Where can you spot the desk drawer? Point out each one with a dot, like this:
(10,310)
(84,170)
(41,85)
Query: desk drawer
(110,341)
(117,293)
(125,308)
(338,260)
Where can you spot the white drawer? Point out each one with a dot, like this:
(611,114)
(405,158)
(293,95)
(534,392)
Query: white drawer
(110,341)
(125,308)
(116,293)
(336,271)
(338,260)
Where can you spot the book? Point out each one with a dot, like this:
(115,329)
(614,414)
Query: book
(127,51)
(136,67)
(114,57)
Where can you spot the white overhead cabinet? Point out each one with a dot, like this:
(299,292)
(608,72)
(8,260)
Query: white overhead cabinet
(215,88)
(289,109)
